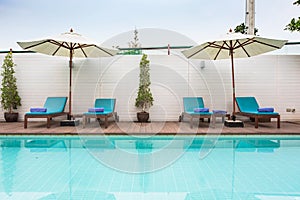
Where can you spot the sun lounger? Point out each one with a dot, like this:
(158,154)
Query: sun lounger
(249,107)
(53,107)
(194,108)
(103,108)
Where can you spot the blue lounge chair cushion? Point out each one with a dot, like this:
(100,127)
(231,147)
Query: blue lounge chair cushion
(190,103)
(250,105)
(265,109)
(108,106)
(53,105)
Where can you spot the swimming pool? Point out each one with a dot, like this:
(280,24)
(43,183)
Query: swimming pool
(154,167)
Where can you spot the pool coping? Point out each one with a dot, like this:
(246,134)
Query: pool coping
(146,129)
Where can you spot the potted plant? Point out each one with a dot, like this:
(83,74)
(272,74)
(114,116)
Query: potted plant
(10,98)
(144,98)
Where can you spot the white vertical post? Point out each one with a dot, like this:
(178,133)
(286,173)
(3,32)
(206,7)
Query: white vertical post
(250,16)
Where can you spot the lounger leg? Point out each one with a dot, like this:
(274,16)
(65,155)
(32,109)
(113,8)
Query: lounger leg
(180,118)
(48,122)
(228,116)
(106,122)
(83,121)
(25,121)
(213,121)
(278,122)
(116,116)
(256,122)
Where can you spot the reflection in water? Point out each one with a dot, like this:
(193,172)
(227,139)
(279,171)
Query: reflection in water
(259,145)
(144,149)
(98,143)
(42,144)
(10,150)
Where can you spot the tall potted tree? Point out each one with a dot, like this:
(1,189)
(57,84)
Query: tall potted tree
(10,98)
(144,98)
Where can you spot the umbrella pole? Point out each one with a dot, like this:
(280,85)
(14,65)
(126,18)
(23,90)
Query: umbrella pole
(233,84)
(70,86)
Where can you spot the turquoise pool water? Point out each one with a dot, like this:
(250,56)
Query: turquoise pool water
(157,167)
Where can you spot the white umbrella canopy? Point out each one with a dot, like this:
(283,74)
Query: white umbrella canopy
(70,45)
(63,44)
(233,45)
(241,45)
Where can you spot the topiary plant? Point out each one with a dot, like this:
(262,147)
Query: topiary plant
(144,98)
(10,98)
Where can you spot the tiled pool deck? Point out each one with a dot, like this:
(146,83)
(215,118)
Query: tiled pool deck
(153,128)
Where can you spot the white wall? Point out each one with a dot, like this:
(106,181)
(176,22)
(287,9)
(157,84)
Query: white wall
(272,79)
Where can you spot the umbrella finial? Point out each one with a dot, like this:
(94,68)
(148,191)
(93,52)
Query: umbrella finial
(10,50)
(71,30)
(230,30)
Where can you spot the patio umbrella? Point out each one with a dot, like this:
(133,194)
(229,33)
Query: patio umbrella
(70,45)
(233,45)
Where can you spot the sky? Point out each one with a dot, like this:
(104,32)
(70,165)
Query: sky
(101,20)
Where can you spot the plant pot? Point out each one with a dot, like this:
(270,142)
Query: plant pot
(11,117)
(142,116)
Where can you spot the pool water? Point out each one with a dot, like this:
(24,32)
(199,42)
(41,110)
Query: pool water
(154,167)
